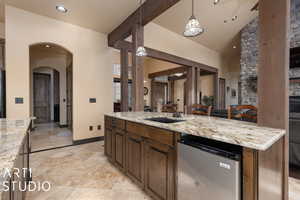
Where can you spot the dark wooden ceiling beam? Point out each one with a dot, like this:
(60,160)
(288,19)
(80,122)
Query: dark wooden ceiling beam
(168,72)
(255,7)
(156,54)
(150,9)
(176,78)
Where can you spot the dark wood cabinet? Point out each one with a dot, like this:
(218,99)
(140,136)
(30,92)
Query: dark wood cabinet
(109,143)
(146,154)
(135,158)
(159,170)
(119,148)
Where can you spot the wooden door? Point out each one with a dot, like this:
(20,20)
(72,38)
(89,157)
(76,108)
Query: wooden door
(158,93)
(41,97)
(135,158)
(222,94)
(119,148)
(70,97)
(160,170)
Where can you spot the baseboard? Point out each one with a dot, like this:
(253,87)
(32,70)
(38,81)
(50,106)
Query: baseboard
(89,140)
(63,126)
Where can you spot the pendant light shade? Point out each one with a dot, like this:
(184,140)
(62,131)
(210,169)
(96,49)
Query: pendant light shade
(193,27)
(141,51)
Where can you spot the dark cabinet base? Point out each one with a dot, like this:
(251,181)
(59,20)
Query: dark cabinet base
(144,154)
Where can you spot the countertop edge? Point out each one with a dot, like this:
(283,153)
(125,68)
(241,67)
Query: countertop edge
(263,147)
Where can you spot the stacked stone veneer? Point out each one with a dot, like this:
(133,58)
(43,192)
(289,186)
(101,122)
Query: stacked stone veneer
(250,54)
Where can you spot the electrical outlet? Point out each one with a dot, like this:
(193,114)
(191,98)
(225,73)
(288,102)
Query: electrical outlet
(99,127)
(91,128)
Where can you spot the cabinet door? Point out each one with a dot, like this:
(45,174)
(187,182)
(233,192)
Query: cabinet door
(159,170)
(108,143)
(119,147)
(135,158)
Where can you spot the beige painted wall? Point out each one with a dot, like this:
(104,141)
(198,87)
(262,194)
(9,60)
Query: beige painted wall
(160,38)
(92,71)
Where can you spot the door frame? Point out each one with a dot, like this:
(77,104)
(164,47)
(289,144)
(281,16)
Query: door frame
(220,96)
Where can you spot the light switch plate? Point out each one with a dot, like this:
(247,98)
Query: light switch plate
(19,100)
(93,100)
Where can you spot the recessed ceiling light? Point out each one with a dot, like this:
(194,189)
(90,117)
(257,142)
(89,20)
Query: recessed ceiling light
(216,2)
(178,74)
(61,9)
(47,46)
(234,47)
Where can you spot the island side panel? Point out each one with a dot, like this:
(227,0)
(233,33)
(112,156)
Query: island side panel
(250,174)
(263,173)
(271,172)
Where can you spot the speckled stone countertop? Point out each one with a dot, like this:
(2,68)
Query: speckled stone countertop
(12,133)
(240,133)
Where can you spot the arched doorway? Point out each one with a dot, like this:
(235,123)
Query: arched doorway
(51,96)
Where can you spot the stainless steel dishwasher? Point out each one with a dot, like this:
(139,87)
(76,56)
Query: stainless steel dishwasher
(208,170)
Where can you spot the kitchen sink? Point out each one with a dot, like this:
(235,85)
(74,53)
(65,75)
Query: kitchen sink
(164,120)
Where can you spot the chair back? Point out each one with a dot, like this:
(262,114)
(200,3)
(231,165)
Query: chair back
(243,112)
(169,108)
(198,109)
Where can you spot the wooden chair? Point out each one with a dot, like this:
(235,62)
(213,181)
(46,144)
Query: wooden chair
(169,108)
(198,109)
(243,112)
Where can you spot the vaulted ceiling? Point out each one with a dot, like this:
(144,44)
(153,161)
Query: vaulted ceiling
(104,15)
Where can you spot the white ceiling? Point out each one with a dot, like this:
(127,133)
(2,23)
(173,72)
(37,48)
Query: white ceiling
(105,15)
(217,34)
(99,15)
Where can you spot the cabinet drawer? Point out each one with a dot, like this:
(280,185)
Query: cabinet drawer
(111,122)
(108,122)
(118,123)
(160,135)
(137,129)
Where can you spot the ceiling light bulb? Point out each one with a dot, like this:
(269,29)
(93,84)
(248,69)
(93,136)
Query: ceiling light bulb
(216,2)
(141,51)
(234,47)
(47,46)
(178,74)
(61,8)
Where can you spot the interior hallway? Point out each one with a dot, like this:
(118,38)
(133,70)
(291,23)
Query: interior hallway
(83,173)
(50,135)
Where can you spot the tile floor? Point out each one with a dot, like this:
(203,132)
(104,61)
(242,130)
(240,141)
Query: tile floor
(83,173)
(50,135)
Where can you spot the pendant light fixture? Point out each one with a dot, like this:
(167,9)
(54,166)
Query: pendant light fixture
(141,51)
(193,28)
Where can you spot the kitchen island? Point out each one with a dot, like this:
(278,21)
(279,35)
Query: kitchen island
(14,154)
(146,150)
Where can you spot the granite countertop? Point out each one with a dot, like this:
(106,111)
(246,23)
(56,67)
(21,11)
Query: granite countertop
(236,132)
(12,133)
